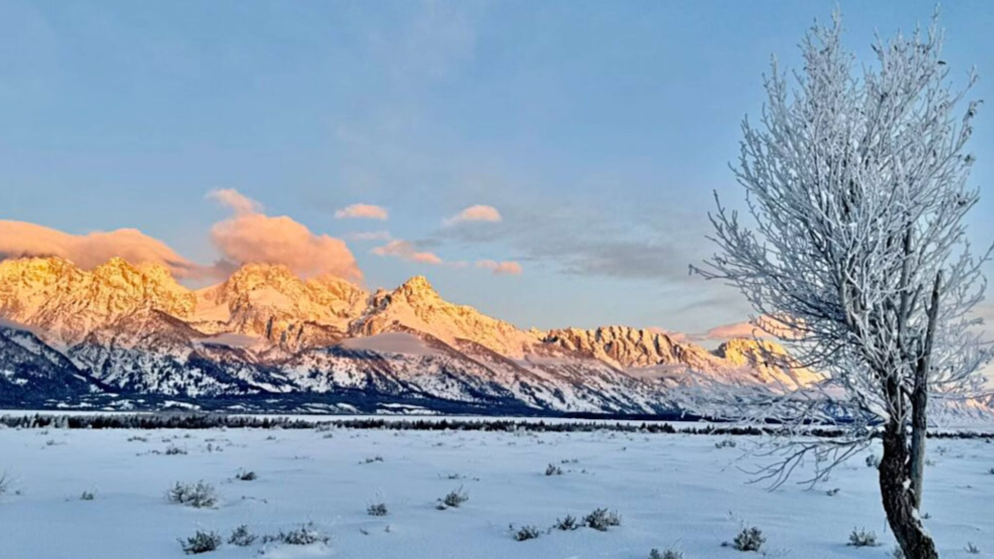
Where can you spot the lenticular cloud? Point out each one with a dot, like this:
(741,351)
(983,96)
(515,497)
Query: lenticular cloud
(18,238)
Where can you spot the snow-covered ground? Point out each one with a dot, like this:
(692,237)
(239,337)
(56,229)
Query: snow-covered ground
(672,491)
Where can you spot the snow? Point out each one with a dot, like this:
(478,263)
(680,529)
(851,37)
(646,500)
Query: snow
(671,490)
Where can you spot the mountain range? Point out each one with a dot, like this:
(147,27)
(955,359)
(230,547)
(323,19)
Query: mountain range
(130,336)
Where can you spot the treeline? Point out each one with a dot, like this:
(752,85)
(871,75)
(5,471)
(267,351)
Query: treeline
(216,421)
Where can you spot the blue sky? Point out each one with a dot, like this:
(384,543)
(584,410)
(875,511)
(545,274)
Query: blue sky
(597,129)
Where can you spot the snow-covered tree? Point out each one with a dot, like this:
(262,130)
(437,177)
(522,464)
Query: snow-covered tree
(855,252)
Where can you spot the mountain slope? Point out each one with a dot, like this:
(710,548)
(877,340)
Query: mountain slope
(31,372)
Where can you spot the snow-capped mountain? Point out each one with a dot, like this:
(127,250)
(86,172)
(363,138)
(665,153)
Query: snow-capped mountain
(67,303)
(417,306)
(265,333)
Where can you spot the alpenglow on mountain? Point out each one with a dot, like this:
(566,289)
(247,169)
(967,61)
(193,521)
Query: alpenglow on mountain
(265,339)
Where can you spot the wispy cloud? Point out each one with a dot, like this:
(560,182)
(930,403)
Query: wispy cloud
(251,236)
(405,250)
(500,268)
(744,329)
(18,239)
(580,240)
(474,213)
(369,236)
(362,211)
(236,201)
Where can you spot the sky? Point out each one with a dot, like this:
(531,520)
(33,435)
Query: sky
(550,163)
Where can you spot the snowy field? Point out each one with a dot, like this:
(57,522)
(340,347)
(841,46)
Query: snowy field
(676,492)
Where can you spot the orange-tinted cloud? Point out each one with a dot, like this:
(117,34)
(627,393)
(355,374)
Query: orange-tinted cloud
(238,202)
(251,236)
(770,327)
(406,251)
(500,268)
(362,211)
(475,213)
(88,251)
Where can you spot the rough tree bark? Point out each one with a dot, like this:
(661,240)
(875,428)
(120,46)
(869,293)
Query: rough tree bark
(899,499)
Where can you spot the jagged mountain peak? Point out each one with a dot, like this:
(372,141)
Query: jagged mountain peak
(627,347)
(745,351)
(269,301)
(417,306)
(66,302)
(418,289)
(116,265)
(42,264)
(254,273)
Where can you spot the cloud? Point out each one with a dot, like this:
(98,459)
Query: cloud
(369,236)
(238,202)
(500,268)
(362,211)
(18,238)
(734,330)
(770,328)
(406,251)
(474,213)
(587,241)
(251,236)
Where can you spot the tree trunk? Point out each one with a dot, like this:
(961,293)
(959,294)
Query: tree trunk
(898,497)
(919,399)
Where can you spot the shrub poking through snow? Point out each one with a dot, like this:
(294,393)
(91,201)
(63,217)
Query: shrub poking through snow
(862,538)
(305,535)
(173,450)
(87,496)
(668,554)
(199,496)
(453,499)
(749,539)
(4,483)
(873,461)
(241,537)
(567,524)
(601,520)
(725,443)
(377,509)
(243,475)
(201,542)
(524,533)
(373,459)
(553,470)
(972,549)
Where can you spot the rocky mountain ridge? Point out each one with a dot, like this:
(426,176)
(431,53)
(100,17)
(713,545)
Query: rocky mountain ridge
(265,332)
